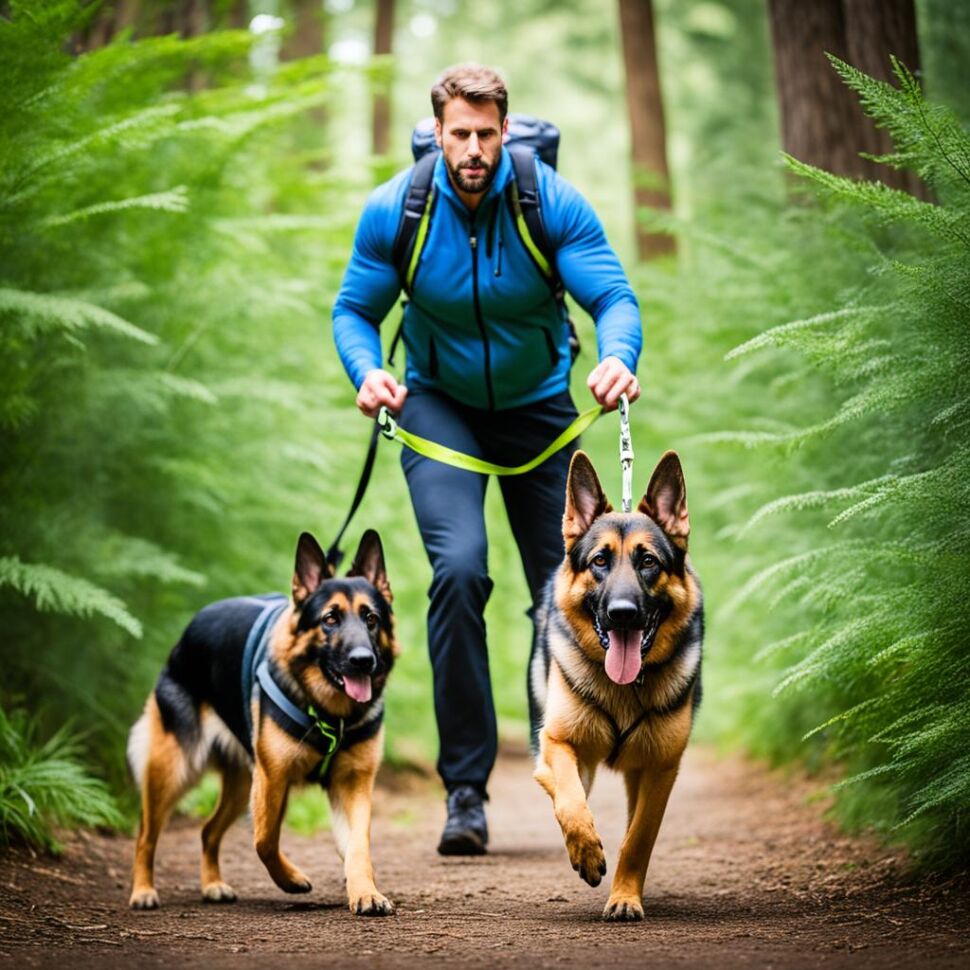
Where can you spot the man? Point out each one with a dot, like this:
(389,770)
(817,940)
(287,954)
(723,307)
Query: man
(487,374)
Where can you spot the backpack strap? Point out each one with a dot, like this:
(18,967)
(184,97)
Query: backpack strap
(523,198)
(412,231)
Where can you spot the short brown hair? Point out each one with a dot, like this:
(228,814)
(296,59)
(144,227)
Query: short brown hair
(474,83)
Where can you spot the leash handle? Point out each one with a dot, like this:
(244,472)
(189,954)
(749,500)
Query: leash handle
(469,463)
(626,453)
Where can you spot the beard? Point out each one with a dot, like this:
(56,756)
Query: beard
(475,185)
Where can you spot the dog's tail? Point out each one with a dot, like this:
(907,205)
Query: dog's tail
(169,709)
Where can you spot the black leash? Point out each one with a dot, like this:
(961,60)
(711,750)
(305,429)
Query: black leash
(335,553)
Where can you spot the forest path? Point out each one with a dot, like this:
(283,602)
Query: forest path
(745,873)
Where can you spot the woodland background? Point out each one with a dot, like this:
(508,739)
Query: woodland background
(178,195)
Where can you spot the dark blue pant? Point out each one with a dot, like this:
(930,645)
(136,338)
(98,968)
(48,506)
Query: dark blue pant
(449,505)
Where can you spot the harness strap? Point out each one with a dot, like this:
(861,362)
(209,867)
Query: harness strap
(621,737)
(323,732)
(470,463)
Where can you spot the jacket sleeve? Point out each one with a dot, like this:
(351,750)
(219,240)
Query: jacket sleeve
(590,270)
(370,284)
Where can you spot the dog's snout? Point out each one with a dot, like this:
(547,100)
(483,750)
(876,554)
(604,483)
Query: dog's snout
(622,612)
(363,660)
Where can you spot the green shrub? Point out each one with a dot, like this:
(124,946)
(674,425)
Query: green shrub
(44,785)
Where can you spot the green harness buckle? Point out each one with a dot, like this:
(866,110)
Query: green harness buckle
(333,741)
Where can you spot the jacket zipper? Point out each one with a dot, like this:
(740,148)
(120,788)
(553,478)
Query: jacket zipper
(473,242)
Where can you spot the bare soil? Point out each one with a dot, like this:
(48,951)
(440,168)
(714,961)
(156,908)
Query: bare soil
(746,873)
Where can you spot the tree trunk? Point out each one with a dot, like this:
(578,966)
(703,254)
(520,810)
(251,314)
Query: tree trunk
(383,34)
(112,19)
(647,131)
(308,34)
(874,29)
(821,120)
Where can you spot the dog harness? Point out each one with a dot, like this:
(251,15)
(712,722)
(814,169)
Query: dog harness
(322,731)
(620,737)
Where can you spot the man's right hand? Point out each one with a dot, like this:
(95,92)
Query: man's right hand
(380,389)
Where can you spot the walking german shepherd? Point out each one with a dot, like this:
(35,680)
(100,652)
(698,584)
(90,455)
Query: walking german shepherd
(273,691)
(615,674)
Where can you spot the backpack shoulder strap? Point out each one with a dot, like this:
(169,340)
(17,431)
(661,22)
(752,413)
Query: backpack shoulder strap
(412,230)
(526,206)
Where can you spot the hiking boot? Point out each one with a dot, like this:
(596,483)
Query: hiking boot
(466,832)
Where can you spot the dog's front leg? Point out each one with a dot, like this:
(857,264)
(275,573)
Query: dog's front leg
(558,773)
(648,790)
(351,789)
(270,790)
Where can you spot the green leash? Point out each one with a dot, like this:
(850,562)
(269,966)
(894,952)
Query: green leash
(457,459)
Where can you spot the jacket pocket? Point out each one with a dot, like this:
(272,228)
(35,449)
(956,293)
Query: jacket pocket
(551,346)
(432,358)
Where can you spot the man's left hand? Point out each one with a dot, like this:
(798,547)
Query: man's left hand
(611,378)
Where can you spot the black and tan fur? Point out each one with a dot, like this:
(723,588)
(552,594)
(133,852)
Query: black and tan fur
(193,720)
(581,717)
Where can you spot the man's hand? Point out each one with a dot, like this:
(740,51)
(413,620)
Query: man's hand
(380,389)
(611,378)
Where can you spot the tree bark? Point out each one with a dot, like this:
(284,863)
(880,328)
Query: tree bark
(647,130)
(111,20)
(308,33)
(874,29)
(821,120)
(383,36)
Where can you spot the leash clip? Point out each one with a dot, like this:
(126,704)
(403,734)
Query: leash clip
(626,453)
(386,423)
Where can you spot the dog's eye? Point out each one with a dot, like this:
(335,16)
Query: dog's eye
(649,562)
(330,620)
(371,620)
(600,561)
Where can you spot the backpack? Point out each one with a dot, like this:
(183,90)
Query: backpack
(527,137)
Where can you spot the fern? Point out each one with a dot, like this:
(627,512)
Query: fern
(44,785)
(54,591)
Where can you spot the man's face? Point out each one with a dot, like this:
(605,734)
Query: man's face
(470,137)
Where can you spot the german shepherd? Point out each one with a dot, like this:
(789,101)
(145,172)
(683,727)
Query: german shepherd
(615,674)
(326,651)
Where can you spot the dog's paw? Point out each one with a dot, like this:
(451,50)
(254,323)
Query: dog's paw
(295,883)
(371,904)
(144,899)
(623,909)
(218,892)
(587,858)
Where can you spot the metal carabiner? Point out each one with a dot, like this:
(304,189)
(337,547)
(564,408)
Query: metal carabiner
(626,453)
(386,423)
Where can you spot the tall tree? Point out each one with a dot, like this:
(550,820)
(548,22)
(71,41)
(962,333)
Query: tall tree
(821,120)
(647,130)
(308,30)
(383,35)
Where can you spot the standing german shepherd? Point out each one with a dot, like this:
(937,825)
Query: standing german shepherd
(272,692)
(615,676)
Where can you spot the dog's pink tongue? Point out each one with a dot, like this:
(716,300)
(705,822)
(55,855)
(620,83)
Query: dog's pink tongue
(359,687)
(623,657)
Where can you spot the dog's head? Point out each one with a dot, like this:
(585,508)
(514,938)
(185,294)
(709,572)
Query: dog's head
(342,629)
(624,574)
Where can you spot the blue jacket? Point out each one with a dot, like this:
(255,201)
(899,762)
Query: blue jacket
(482,325)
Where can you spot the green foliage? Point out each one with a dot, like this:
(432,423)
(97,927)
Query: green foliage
(152,319)
(847,545)
(44,784)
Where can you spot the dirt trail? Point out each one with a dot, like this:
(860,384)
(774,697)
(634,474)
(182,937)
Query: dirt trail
(744,874)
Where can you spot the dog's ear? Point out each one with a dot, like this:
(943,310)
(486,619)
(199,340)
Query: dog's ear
(585,500)
(311,568)
(665,500)
(369,563)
